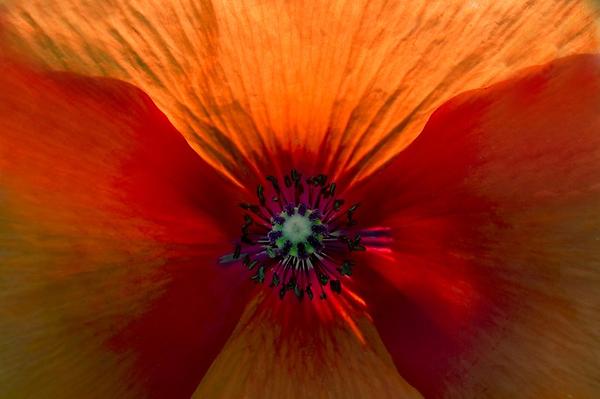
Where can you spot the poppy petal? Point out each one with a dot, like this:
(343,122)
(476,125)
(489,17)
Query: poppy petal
(354,81)
(300,354)
(110,231)
(491,279)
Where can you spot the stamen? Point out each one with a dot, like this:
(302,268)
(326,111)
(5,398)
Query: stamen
(298,235)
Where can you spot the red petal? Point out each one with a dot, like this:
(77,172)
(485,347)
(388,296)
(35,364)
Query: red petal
(490,285)
(110,236)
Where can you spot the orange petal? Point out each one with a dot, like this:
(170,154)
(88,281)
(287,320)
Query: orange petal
(299,355)
(354,80)
(492,279)
(108,244)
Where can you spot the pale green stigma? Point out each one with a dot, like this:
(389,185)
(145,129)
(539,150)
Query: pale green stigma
(296,229)
(297,232)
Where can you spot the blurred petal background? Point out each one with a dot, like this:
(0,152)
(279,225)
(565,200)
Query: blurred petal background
(95,302)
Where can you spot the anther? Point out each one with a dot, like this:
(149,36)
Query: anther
(346,269)
(275,280)
(299,293)
(336,286)
(252,264)
(314,215)
(302,209)
(319,228)
(302,251)
(289,209)
(260,193)
(274,235)
(247,259)
(332,189)
(251,207)
(259,277)
(287,247)
(295,175)
(275,183)
(309,292)
(323,278)
(321,179)
(312,240)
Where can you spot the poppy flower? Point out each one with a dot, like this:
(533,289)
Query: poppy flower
(288,199)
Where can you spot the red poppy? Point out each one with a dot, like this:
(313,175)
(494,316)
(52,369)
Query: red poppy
(313,249)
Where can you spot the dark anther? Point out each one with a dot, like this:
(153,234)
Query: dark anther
(282,291)
(312,240)
(251,207)
(275,280)
(295,175)
(302,251)
(237,251)
(275,183)
(323,278)
(323,296)
(319,228)
(337,204)
(350,213)
(259,277)
(346,269)
(353,208)
(299,293)
(291,283)
(246,260)
(325,191)
(247,223)
(351,221)
(336,286)
(287,181)
(286,248)
(316,214)
(321,179)
(260,193)
(289,209)
(274,235)
(252,264)
(301,209)
(355,245)
(278,219)
(309,292)
(275,198)
(331,189)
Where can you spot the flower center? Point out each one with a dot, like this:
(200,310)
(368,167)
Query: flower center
(296,232)
(299,237)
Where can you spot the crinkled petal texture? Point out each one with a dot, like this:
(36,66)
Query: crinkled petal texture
(110,232)
(352,80)
(486,283)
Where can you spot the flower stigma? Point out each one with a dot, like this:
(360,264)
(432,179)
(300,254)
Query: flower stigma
(299,237)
